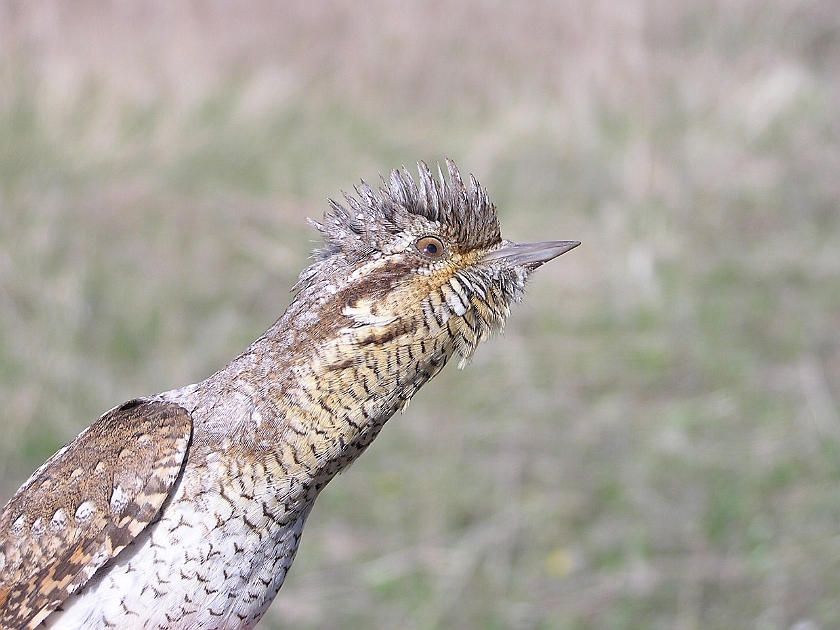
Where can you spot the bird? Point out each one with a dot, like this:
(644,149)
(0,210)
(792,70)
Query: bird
(185,509)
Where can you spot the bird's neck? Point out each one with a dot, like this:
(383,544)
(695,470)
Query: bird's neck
(321,383)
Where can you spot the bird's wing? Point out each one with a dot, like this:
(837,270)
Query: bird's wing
(85,504)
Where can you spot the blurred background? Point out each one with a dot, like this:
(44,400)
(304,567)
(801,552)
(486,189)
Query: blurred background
(654,442)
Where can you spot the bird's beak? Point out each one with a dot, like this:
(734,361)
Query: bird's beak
(529,254)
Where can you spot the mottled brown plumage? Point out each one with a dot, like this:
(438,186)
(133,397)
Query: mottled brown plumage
(78,518)
(185,509)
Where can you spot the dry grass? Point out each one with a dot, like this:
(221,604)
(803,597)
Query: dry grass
(655,443)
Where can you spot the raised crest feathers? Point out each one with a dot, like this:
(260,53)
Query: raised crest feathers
(465,214)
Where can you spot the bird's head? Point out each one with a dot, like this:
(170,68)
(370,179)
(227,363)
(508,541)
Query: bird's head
(422,258)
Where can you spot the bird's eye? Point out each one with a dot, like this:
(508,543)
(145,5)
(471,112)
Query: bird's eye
(430,246)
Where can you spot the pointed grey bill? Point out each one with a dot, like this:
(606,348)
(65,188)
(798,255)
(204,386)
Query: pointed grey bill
(533,254)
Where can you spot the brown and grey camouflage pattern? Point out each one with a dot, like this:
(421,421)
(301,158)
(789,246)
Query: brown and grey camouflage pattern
(186,510)
(85,504)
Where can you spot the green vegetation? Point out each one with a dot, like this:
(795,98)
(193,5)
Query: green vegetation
(653,443)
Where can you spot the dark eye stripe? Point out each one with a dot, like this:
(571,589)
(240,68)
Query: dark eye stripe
(430,246)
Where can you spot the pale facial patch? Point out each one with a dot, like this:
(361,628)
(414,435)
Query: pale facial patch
(361,312)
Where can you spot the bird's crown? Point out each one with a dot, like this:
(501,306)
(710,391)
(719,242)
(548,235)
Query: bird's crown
(372,221)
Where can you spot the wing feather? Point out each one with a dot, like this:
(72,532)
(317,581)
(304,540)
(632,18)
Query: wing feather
(85,504)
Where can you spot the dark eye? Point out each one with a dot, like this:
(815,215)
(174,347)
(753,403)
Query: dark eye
(430,246)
